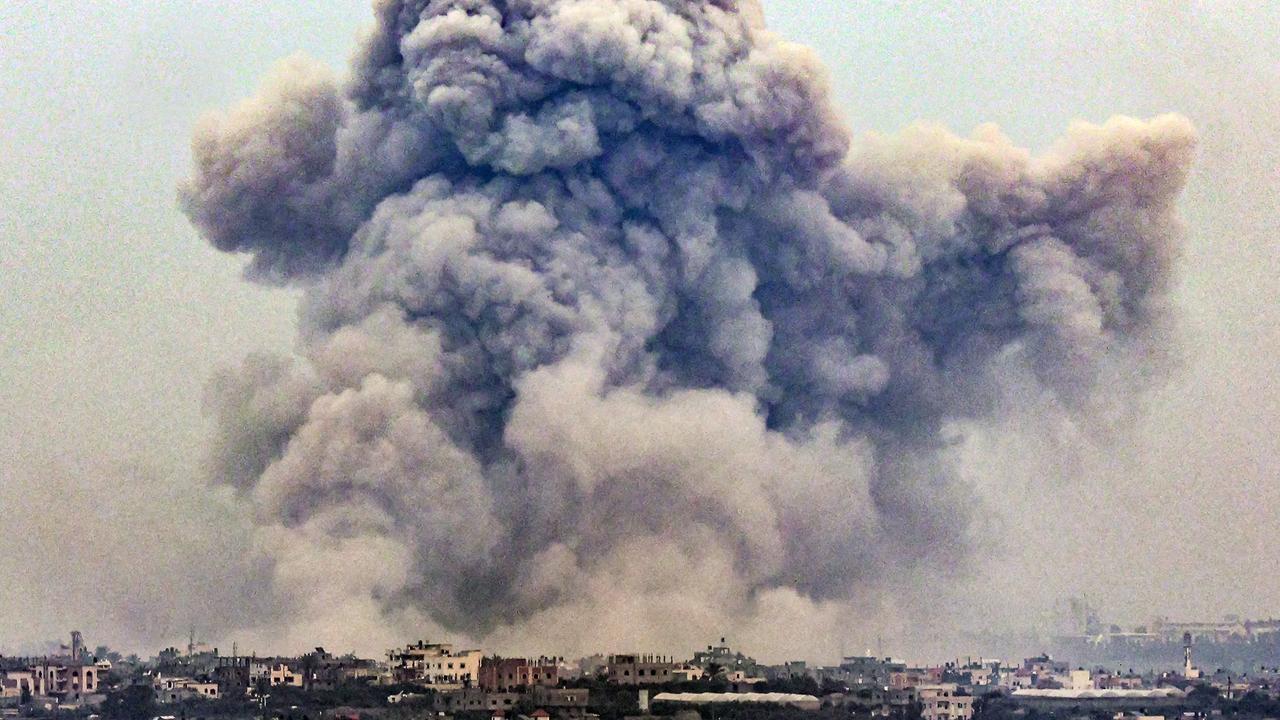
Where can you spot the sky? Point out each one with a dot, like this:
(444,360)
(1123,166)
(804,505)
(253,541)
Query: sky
(114,313)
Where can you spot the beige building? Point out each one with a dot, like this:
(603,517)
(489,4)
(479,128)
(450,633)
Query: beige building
(14,682)
(436,664)
(178,689)
(281,675)
(944,702)
(68,681)
(641,669)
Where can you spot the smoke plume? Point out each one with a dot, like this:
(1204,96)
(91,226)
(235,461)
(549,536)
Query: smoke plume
(611,333)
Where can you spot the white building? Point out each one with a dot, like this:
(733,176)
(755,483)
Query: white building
(1080,680)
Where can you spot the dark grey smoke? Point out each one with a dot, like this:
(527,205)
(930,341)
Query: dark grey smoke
(612,333)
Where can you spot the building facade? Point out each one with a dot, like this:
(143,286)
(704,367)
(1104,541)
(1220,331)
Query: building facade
(944,702)
(640,669)
(436,664)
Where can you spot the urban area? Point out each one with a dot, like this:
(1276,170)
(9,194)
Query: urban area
(426,679)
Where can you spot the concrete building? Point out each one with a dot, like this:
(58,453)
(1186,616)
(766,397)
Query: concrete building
(686,673)
(474,699)
(65,681)
(873,700)
(436,664)
(640,669)
(866,670)
(944,702)
(497,673)
(723,657)
(232,676)
(914,677)
(281,675)
(561,702)
(16,683)
(789,670)
(179,689)
(1080,680)
(322,670)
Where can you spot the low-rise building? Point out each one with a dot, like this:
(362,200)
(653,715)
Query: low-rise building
(640,669)
(944,701)
(866,670)
(179,689)
(726,660)
(282,675)
(914,677)
(473,699)
(561,702)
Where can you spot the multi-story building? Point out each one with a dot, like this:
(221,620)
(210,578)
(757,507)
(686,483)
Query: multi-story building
(725,659)
(17,683)
(944,702)
(282,675)
(63,680)
(640,669)
(322,670)
(435,664)
(868,671)
(914,677)
(232,676)
(498,673)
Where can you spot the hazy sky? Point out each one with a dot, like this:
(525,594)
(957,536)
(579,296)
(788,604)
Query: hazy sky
(113,313)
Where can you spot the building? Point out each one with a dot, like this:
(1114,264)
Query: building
(726,660)
(944,702)
(498,673)
(436,664)
(640,669)
(179,689)
(561,702)
(786,671)
(914,677)
(321,670)
(68,682)
(474,699)
(865,670)
(14,684)
(232,676)
(281,675)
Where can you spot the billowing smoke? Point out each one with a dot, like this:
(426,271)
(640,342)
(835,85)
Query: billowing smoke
(611,334)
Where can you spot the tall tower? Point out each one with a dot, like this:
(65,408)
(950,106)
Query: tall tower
(77,645)
(1188,670)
